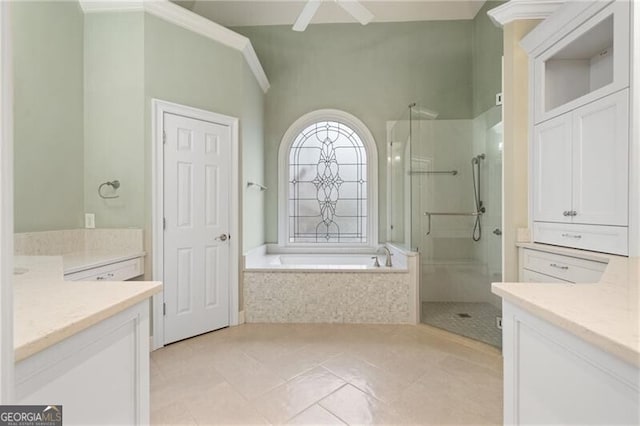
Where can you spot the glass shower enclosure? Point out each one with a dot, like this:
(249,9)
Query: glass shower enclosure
(445,202)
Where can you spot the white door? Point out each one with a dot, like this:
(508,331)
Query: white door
(600,161)
(197,160)
(552,170)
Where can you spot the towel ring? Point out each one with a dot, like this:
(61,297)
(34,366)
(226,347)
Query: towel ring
(114,184)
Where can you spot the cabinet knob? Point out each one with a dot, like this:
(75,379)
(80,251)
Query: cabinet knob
(565,213)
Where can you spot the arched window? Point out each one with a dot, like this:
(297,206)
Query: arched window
(328,182)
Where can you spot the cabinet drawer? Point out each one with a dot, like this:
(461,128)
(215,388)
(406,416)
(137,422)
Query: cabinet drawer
(565,268)
(605,239)
(535,277)
(119,271)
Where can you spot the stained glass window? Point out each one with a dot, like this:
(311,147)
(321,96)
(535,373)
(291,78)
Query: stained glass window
(327,185)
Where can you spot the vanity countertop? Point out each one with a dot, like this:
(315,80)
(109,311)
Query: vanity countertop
(48,309)
(605,314)
(88,259)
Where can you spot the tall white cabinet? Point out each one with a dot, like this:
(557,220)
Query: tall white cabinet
(580,135)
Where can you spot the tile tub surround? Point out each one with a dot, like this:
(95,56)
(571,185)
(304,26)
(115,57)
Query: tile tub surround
(321,293)
(326,297)
(55,243)
(605,314)
(48,310)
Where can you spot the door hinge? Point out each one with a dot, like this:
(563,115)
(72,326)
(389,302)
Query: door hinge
(164,308)
(164,137)
(164,223)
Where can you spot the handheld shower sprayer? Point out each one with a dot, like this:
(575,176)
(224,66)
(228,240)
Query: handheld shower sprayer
(475,172)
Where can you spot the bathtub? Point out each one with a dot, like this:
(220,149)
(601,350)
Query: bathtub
(330,288)
(327,262)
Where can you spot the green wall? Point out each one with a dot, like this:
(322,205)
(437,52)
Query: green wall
(83,112)
(373,72)
(487,60)
(251,134)
(114,117)
(48,111)
(186,68)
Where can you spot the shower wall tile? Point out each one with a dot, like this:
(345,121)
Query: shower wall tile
(325,297)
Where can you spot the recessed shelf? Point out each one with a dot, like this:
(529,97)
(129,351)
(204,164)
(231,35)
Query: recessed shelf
(581,67)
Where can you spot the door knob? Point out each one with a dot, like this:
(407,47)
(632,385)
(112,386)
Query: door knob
(222,237)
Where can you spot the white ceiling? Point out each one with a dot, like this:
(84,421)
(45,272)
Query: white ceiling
(268,12)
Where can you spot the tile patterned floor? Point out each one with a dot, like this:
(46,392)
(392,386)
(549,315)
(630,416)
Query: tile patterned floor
(326,374)
(479,325)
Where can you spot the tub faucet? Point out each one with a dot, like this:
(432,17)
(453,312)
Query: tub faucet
(387,253)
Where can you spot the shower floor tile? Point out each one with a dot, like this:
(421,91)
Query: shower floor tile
(474,320)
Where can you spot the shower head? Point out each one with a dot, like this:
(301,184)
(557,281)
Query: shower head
(427,113)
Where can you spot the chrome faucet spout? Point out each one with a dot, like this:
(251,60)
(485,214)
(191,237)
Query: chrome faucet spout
(388,254)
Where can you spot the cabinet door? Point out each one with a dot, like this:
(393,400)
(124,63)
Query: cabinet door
(551,173)
(600,161)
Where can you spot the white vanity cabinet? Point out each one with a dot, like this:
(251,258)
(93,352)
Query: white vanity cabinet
(116,271)
(581,129)
(545,266)
(552,377)
(100,376)
(580,176)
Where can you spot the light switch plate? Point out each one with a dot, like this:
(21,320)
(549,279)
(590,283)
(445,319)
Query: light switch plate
(89,220)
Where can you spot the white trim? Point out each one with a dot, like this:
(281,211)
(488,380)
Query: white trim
(159,108)
(97,6)
(516,10)
(6,208)
(388,233)
(252,60)
(372,176)
(188,20)
(557,26)
(634,141)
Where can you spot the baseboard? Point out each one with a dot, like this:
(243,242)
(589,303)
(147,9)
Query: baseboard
(241,317)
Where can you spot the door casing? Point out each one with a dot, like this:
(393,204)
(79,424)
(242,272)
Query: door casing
(159,108)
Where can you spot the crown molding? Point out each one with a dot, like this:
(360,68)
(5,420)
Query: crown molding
(188,20)
(515,10)
(97,6)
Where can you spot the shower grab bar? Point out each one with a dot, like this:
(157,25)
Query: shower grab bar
(429,214)
(425,172)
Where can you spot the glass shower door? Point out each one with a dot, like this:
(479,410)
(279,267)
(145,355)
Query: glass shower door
(456,214)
